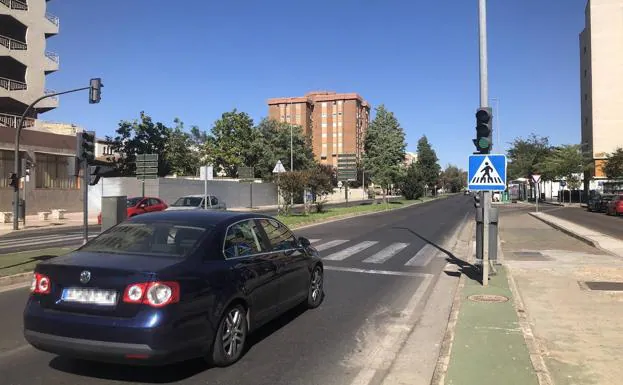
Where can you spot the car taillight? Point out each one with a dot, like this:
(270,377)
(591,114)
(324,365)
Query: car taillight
(40,284)
(155,294)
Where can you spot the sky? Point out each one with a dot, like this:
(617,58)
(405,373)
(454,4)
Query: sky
(197,59)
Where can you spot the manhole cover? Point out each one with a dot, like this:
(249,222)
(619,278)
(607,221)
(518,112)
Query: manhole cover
(604,286)
(487,298)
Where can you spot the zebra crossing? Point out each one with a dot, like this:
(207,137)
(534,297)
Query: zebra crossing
(41,241)
(376,252)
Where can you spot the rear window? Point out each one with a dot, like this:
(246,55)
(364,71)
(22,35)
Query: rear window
(158,239)
(188,202)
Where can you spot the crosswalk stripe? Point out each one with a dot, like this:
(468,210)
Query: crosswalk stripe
(330,244)
(14,244)
(345,253)
(386,253)
(424,256)
(314,240)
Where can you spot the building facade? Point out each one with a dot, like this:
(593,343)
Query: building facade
(601,83)
(336,123)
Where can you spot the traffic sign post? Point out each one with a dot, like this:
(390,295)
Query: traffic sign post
(146,168)
(346,170)
(278,169)
(536,178)
(247,174)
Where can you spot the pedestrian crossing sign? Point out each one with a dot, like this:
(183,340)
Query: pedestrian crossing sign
(487,172)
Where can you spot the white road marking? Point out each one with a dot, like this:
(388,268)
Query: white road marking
(345,253)
(385,351)
(423,256)
(28,242)
(314,240)
(330,244)
(386,253)
(15,286)
(379,272)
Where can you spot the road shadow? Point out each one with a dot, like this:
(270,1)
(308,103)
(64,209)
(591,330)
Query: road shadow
(39,258)
(168,373)
(471,271)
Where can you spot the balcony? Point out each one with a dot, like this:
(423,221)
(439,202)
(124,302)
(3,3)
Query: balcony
(53,24)
(52,63)
(12,44)
(48,103)
(15,4)
(12,120)
(12,85)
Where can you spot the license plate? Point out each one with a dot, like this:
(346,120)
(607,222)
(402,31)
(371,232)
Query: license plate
(90,296)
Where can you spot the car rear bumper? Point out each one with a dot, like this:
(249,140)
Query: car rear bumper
(97,350)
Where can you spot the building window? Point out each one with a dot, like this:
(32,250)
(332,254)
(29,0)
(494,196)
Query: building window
(7,166)
(585,96)
(52,171)
(584,50)
(585,72)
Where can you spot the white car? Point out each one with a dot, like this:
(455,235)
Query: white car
(197,202)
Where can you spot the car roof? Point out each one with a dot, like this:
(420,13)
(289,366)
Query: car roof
(198,217)
(195,196)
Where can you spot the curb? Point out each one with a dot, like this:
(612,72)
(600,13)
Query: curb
(573,234)
(441,369)
(534,349)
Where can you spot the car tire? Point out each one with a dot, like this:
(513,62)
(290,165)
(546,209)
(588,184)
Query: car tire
(315,293)
(226,350)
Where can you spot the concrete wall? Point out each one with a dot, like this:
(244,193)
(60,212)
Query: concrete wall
(234,194)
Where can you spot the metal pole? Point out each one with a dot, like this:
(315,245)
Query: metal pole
(16,170)
(536,185)
(205,187)
(291,154)
(484,99)
(85,200)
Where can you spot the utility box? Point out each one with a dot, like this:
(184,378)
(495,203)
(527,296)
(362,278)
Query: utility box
(114,211)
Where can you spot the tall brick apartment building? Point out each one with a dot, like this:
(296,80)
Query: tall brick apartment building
(337,123)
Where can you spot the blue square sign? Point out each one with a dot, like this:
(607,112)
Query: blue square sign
(487,172)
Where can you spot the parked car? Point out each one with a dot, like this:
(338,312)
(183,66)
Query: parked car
(599,203)
(169,286)
(615,205)
(195,202)
(140,205)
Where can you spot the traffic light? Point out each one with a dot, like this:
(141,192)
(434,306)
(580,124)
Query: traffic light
(477,200)
(13,180)
(85,146)
(94,176)
(26,166)
(95,92)
(484,130)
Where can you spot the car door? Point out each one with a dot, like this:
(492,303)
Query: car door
(246,251)
(291,260)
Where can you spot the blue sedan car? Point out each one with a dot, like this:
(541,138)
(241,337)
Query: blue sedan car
(169,286)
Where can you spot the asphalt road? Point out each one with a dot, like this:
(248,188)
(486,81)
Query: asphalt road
(67,237)
(367,290)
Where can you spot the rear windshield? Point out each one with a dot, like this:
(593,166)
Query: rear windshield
(188,202)
(158,239)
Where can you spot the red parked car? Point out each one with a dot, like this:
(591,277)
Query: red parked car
(140,205)
(615,206)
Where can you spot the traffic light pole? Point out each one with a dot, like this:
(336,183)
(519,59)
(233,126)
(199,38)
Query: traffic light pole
(85,199)
(484,102)
(17,167)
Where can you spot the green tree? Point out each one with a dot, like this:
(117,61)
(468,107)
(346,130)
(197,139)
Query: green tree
(525,155)
(182,150)
(141,136)
(229,146)
(384,148)
(427,163)
(291,184)
(453,179)
(412,185)
(320,183)
(613,167)
(272,143)
(566,161)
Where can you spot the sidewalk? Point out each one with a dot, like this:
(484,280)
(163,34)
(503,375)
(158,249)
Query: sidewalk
(553,321)
(34,223)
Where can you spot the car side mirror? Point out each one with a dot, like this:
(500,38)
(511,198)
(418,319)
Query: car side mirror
(142,206)
(304,242)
